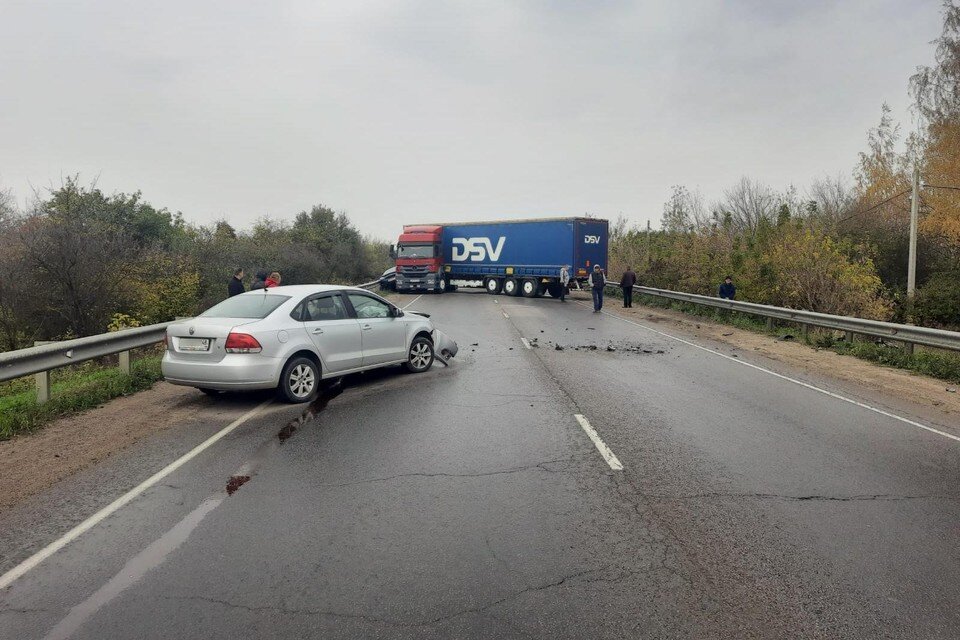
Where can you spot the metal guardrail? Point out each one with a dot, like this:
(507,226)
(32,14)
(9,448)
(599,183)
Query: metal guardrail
(43,358)
(908,334)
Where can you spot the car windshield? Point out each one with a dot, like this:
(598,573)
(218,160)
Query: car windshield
(416,251)
(254,306)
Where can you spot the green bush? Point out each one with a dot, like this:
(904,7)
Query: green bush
(938,301)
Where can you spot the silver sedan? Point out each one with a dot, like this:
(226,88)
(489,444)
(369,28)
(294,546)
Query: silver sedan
(289,338)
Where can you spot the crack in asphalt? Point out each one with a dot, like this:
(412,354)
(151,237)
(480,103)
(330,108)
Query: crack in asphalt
(422,474)
(395,623)
(879,497)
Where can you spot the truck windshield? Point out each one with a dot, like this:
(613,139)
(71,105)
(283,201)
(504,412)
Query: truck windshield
(416,251)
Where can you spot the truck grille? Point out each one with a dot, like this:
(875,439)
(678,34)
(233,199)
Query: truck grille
(415,272)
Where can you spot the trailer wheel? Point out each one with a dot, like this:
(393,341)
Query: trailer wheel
(530,288)
(493,286)
(511,287)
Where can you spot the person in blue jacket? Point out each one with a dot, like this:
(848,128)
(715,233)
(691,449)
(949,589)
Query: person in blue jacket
(727,290)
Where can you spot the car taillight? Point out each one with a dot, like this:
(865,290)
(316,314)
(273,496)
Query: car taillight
(242,343)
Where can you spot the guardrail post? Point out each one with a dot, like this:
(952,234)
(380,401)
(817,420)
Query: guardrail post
(770,324)
(123,359)
(908,347)
(805,332)
(42,379)
(849,336)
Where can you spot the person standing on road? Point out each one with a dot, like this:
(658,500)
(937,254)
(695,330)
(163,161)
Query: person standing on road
(564,281)
(627,280)
(727,290)
(272,281)
(236,284)
(259,280)
(598,280)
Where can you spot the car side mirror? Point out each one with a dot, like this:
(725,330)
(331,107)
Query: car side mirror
(393,252)
(396,312)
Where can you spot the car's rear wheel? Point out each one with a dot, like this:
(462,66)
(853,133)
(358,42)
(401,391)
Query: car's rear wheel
(420,357)
(300,380)
(493,286)
(510,287)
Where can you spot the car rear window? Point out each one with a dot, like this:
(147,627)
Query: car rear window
(257,305)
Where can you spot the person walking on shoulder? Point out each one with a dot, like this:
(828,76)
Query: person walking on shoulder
(236,284)
(627,280)
(598,280)
(564,281)
(727,290)
(273,280)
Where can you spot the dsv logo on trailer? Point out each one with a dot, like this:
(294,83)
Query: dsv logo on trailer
(591,239)
(476,249)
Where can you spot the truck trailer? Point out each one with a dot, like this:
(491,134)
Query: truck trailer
(513,257)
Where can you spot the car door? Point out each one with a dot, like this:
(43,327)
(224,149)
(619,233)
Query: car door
(384,337)
(333,331)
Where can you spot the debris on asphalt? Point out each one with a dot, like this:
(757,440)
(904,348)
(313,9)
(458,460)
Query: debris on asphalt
(786,337)
(951,389)
(728,334)
(557,348)
(610,348)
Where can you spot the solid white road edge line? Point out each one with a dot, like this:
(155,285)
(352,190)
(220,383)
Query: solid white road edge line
(604,450)
(412,301)
(10,576)
(526,343)
(807,385)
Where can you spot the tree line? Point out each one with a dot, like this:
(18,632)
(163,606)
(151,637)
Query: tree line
(841,245)
(79,262)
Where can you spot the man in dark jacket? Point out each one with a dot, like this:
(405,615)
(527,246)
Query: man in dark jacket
(598,280)
(236,284)
(259,281)
(627,280)
(727,290)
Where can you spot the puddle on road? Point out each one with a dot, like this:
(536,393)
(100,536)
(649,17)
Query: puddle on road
(235,482)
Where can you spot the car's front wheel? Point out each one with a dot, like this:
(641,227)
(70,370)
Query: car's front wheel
(300,380)
(420,357)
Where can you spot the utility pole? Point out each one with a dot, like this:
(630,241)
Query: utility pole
(914,214)
(649,259)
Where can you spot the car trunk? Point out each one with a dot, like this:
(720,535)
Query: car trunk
(202,339)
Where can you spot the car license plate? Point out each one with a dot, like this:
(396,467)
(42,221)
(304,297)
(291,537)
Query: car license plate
(194,344)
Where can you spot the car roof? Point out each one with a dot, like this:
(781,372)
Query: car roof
(299,290)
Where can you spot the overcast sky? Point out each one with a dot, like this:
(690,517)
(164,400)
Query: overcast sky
(400,112)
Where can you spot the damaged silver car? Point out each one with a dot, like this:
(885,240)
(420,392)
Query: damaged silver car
(290,338)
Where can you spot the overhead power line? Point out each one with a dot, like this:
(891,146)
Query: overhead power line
(876,206)
(940,186)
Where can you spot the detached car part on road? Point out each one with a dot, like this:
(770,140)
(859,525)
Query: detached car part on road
(290,338)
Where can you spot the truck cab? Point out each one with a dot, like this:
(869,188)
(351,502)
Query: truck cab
(419,257)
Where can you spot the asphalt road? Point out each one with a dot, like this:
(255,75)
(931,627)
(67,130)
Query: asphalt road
(469,502)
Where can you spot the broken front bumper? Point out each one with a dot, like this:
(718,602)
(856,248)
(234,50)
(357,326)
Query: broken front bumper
(444,347)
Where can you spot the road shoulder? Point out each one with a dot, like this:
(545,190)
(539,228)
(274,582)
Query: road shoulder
(904,386)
